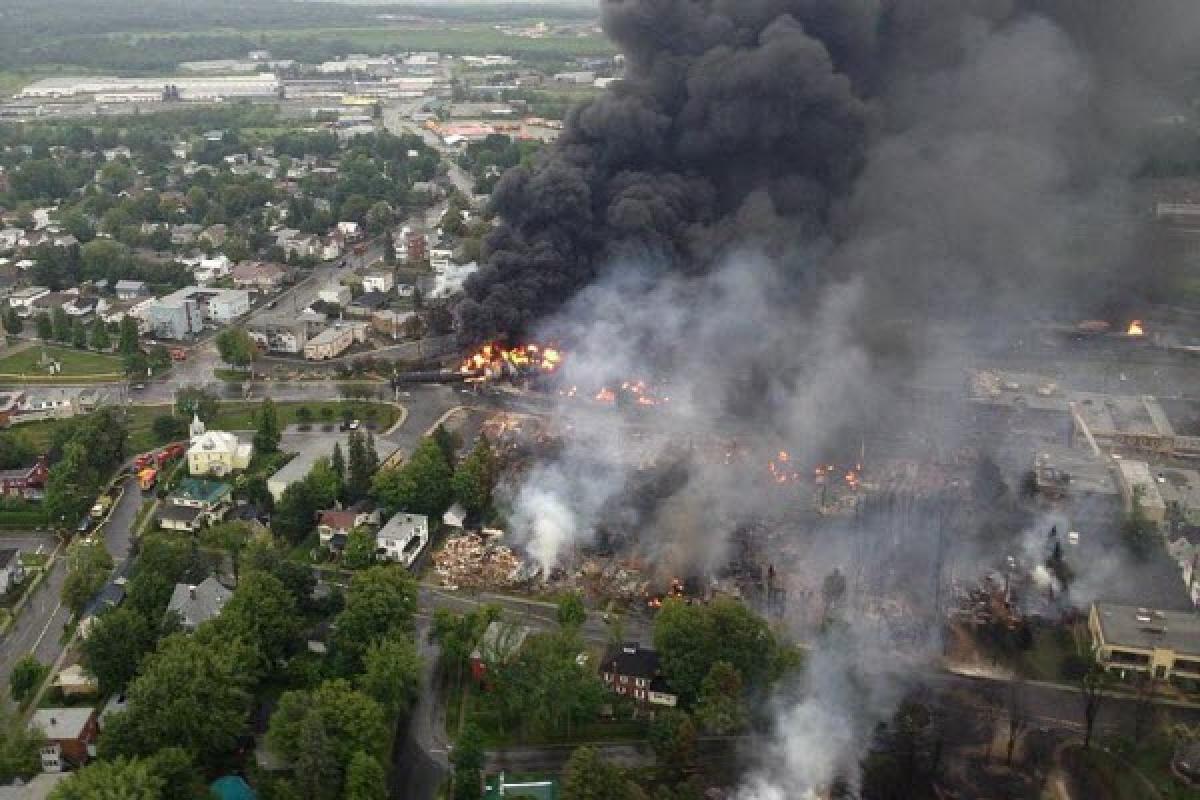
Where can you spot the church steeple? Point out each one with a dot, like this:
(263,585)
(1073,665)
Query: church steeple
(197,427)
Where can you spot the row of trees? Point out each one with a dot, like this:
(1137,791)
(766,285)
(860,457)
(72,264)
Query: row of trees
(432,479)
(92,448)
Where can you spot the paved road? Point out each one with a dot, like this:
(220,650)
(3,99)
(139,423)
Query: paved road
(397,119)
(39,628)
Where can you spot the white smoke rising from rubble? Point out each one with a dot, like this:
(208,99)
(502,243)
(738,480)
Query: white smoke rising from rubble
(979,181)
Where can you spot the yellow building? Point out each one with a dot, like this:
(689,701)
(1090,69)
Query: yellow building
(1164,644)
(216,453)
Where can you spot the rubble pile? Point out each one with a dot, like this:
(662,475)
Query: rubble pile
(477,560)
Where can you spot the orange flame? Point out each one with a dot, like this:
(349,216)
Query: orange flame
(526,357)
(1136,329)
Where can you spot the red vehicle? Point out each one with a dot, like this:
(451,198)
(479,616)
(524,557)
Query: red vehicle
(169,453)
(143,461)
(178,354)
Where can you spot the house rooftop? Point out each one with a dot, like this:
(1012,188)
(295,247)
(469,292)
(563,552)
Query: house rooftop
(201,490)
(196,604)
(631,659)
(62,724)
(7,556)
(1149,629)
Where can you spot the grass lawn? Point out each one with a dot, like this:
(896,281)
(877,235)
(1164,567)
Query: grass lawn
(232,416)
(75,363)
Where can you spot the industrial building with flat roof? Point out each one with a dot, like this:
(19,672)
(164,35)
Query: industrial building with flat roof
(1165,644)
(215,87)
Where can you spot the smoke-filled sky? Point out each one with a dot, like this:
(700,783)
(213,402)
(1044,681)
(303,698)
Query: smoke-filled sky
(764,215)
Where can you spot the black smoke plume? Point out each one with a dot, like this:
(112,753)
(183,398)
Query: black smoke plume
(755,121)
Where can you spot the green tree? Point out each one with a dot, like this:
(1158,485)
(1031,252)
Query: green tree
(571,611)
(691,638)
(136,364)
(267,437)
(360,549)
(545,689)
(721,709)
(61,324)
(338,462)
(104,257)
(262,614)
(380,604)
(475,478)
(12,321)
(79,336)
(190,401)
(590,777)
(457,636)
(365,779)
(449,443)
(116,642)
(353,723)
(380,217)
(192,692)
(27,674)
(359,468)
(20,748)
(421,486)
(128,779)
(673,737)
(45,328)
(468,759)
(236,347)
(167,428)
(316,767)
(127,336)
(88,566)
(100,338)
(392,674)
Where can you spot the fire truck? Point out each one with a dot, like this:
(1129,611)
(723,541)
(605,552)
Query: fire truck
(147,478)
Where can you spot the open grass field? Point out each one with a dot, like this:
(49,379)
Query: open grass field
(231,417)
(75,363)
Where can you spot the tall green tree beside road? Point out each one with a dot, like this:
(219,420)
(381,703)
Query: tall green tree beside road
(127,337)
(79,336)
(12,322)
(61,323)
(193,693)
(27,674)
(353,723)
(88,567)
(198,402)
(589,777)
(392,674)
(468,759)
(267,437)
(128,779)
(262,614)
(236,347)
(421,486)
(475,479)
(45,327)
(380,604)
(115,645)
(365,779)
(99,335)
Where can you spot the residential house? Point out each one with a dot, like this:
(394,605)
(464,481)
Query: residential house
(171,317)
(195,604)
(9,239)
(403,538)
(12,571)
(75,681)
(634,671)
(351,231)
(211,270)
(392,323)
(196,503)
(329,343)
(379,281)
(405,290)
(333,527)
(335,294)
(84,305)
(25,482)
(415,247)
(131,290)
(439,257)
(260,275)
(295,243)
(455,516)
(23,299)
(331,247)
(70,736)
(217,453)
(1162,644)
(280,333)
